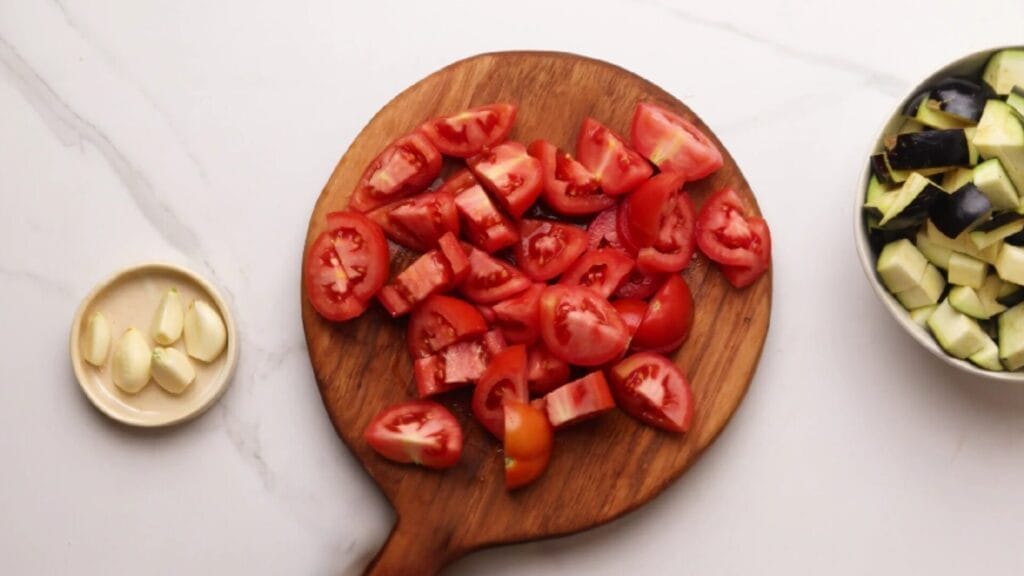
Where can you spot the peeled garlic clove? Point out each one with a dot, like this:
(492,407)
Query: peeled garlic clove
(131,363)
(172,370)
(95,343)
(205,335)
(169,317)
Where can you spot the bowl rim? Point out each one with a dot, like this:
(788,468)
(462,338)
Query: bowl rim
(867,259)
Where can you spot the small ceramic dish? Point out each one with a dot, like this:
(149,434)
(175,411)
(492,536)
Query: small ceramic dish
(970,66)
(130,299)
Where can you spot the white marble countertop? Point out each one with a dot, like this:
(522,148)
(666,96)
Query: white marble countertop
(201,133)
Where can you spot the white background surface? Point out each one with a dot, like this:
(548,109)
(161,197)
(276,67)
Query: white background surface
(201,133)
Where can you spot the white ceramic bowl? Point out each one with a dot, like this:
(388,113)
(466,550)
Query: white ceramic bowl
(970,65)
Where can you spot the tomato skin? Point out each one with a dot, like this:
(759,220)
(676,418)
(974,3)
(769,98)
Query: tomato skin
(639,285)
(741,277)
(672,143)
(725,233)
(601,270)
(407,166)
(502,381)
(618,168)
(429,274)
(519,316)
(660,218)
(491,280)
(419,431)
(544,370)
(632,311)
(455,255)
(346,266)
(579,325)
(579,400)
(459,364)
(650,388)
(440,321)
(603,231)
(569,188)
(513,176)
(547,248)
(527,445)
(666,322)
(469,132)
(418,222)
(483,224)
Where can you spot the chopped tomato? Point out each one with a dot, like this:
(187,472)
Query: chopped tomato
(440,321)
(666,322)
(569,188)
(650,388)
(459,364)
(545,371)
(741,277)
(405,167)
(639,285)
(417,223)
(603,231)
(622,228)
(487,312)
(346,266)
(421,432)
(430,274)
(547,248)
(503,380)
(618,168)
(513,176)
(601,270)
(455,255)
(471,131)
(579,400)
(632,311)
(491,280)
(483,224)
(528,441)
(518,316)
(728,236)
(672,143)
(660,219)
(459,182)
(579,325)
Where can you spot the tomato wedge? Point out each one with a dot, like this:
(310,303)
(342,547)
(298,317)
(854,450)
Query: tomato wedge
(503,380)
(673,144)
(579,325)
(491,280)
(440,321)
(421,432)
(483,224)
(434,272)
(513,176)
(519,316)
(471,131)
(547,248)
(528,442)
(632,311)
(650,388)
(618,168)
(725,234)
(666,322)
(407,166)
(660,219)
(544,370)
(417,223)
(459,364)
(346,265)
(569,188)
(603,231)
(601,270)
(579,400)
(639,285)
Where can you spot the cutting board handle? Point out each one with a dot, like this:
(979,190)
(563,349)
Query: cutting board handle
(413,549)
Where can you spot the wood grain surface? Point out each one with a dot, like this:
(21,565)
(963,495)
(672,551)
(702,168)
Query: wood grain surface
(599,469)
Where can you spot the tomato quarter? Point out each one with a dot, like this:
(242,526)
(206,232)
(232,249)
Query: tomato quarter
(601,270)
(528,442)
(491,280)
(471,131)
(650,388)
(421,432)
(544,370)
(603,231)
(660,220)
(483,223)
(579,325)
(569,188)
(547,248)
(666,322)
(405,167)
(632,311)
(503,380)
(741,277)
(346,265)
(513,176)
(726,235)
(579,400)
(673,144)
(618,168)
(417,223)
(519,316)
(458,365)
(440,321)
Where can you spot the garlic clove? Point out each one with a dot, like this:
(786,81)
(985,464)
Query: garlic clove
(205,335)
(131,362)
(95,343)
(167,322)
(172,370)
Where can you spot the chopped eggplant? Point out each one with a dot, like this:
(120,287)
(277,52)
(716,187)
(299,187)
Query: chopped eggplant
(961,97)
(931,149)
(1016,100)
(1004,70)
(1015,239)
(998,221)
(879,237)
(912,203)
(954,213)
(880,170)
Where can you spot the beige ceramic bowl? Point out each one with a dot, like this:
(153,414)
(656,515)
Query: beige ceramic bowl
(971,65)
(128,299)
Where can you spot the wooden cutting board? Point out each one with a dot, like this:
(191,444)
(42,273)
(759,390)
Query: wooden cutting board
(600,469)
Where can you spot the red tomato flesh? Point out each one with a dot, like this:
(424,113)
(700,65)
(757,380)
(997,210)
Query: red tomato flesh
(421,432)
(601,270)
(569,188)
(504,379)
(579,325)
(407,166)
(527,445)
(431,273)
(650,388)
(483,224)
(346,266)
(726,235)
(666,322)
(457,365)
(618,168)
(545,371)
(547,248)
(471,131)
(660,219)
(491,280)
(513,176)
(440,321)
(417,223)
(603,231)
(632,312)
(519,316)
(579,400)
(673,144)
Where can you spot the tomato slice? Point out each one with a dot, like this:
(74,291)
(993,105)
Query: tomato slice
(483,224)
(417,223)
(673,144)
(650,388)
(639,285)
(471,131)
(660,219)
(491,280)
(544,370)
(431,273)
(513,176)
(601,270)
(618,168)
(725,233)
(632,311)
(440,321)
(547,248)
(519,316)
(455,255)
(666,322)
(579,400)
(603,231)
(421,432)
(569,188)
(503,380)
(527,445)
(346,265)
(740,276)
(579,325)
(459,364)
(407,166)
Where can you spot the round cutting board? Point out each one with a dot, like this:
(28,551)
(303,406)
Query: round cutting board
(599,469)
